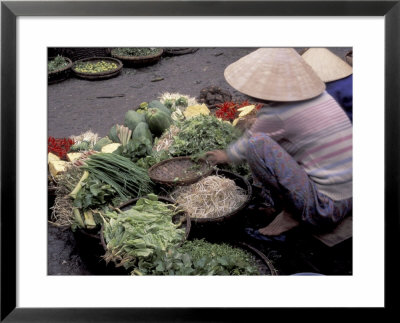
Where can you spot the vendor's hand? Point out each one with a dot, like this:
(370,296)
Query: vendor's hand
(217,157)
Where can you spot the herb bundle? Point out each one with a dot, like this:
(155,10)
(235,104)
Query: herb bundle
(123,176)
(201,134)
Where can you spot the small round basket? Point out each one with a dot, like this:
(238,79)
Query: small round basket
(179,171)
(98,76)
(138,61)
(186,222)
(60,74)
(224,219)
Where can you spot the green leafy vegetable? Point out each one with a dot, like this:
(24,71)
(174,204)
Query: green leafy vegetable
(135,51)
(201,134)
(135,235)
(182,101)
(56,64)
(94,193)
(199,257)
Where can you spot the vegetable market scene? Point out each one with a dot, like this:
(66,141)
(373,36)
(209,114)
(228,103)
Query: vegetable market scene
(200,161)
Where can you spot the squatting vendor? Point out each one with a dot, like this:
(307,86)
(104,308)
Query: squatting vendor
(300,146)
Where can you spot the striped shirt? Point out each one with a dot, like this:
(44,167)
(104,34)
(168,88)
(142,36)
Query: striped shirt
(317,134)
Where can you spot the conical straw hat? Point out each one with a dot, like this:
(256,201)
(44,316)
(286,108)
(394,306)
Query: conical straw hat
(326,64)
(274,74)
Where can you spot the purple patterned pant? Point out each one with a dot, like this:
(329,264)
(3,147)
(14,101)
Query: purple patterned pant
(275,170)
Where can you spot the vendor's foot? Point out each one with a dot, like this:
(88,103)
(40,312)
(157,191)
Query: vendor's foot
(283,222)
(267,214)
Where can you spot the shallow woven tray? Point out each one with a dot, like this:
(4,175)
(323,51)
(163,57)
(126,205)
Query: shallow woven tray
(179,51)
(127,205)
(179,171)
(98,76)
(77,53)
(137,61)
(239,181)
(60,74)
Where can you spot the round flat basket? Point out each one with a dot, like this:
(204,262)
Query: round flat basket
(98,76)
(179,171)
(179,51)
(60,74)
(77,53)
(138,61)
(240,182)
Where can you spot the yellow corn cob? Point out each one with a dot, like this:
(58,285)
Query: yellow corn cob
(246,110)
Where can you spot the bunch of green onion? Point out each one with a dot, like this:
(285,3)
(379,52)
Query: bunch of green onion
(121,173)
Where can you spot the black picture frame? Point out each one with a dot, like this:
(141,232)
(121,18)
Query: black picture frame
(10,10)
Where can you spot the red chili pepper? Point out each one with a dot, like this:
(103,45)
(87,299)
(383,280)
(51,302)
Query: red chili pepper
(59,146)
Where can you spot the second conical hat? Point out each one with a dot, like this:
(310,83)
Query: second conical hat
(326,64)
(274,74)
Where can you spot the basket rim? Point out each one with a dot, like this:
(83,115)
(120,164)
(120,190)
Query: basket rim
(182,182)
(177,51)
(69,65)
(260,254)
(98,58)
(137,58)
(232,213)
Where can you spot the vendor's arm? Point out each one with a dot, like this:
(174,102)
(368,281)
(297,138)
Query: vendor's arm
(267,122)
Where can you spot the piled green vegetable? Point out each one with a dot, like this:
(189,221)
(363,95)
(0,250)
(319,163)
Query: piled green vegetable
(96,67)
(199,257)
(126,178)
(135,235)
(148,122)
(56,64)
(201,134)
(135,51)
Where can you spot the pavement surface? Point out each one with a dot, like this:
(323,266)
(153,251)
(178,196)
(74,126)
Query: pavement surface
(76,106)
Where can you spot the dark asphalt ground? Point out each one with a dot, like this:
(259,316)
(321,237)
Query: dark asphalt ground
(74,107)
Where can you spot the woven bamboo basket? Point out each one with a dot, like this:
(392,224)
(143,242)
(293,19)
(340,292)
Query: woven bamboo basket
(179,51)
(98,76)
(226,218)
(138,61)
(179,171)
(78,53)
(60,74)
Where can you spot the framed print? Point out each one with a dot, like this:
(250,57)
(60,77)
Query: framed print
(29,28)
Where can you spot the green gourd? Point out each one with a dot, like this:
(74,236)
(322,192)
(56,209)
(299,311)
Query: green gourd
(158,121)
(101,143)
(112,135)
(142,132)
(158,105)
(133,118)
